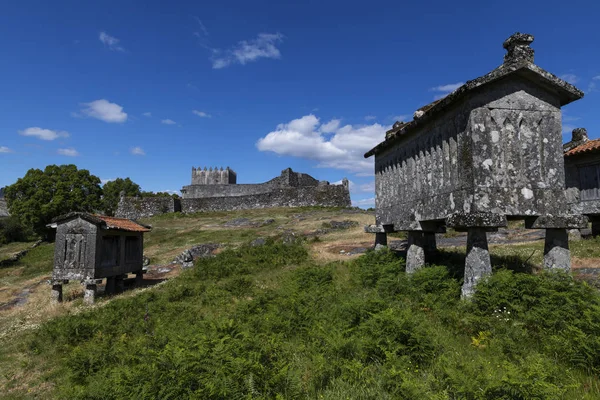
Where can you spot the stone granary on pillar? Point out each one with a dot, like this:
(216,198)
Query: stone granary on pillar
(91,247)
(582,176)
(488,151)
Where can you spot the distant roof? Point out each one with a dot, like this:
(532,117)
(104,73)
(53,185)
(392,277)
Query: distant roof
(518,61)
(104,221)
(587,147)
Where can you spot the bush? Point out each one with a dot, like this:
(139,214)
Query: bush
(12,230)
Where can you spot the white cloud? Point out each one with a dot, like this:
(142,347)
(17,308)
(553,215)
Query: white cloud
(202,27)
(138,151)
(105,111)
(370,117)
(201,114)
(571,78)
(365,203)
(304,138)
(264,46)
(567,129)
(105,181)
(331,126)
(168,122)
(147,114)
(447,88)
(43,134)
(111,42)
(4,149)
(70,152)
(367,187)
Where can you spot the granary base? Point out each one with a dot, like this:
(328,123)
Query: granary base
(557,255)
(57,292)
(89,292)
(421,248)
(478,264)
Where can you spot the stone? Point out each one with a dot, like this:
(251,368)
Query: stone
(415,253)
(89,293)
(347,224)
(139,278)
(478,264)
(379,247)
(574,235)
(557,255)
(57,293)
(258,242)
(111,285)
(558,222)
(120,283)
(218,190)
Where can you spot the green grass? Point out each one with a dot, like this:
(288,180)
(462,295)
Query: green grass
(266,322)
(8,250)
(37,261)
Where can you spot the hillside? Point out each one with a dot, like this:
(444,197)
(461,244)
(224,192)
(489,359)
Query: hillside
(295,316)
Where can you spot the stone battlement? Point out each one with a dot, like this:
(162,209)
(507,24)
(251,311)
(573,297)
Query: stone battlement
(290,189)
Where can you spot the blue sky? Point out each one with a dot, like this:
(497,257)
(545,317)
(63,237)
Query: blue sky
(149,89)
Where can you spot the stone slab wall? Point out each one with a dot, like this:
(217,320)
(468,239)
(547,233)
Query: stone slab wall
(136,208)
(327,196)
(498,151)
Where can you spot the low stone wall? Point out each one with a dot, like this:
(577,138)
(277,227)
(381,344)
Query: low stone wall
(326,196)
(136,208)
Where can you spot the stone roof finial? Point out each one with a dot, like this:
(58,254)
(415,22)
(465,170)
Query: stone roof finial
(580,135)
(518,50)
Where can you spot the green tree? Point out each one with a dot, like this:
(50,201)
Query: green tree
(40,195)
(112,193)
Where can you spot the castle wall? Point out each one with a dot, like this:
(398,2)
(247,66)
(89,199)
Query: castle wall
(324,195)
(288,178)
(136,208)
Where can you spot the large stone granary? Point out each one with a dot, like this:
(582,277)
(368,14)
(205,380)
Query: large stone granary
(490,150)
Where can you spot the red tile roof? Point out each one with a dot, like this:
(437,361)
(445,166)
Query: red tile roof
(589,146)
(122,223)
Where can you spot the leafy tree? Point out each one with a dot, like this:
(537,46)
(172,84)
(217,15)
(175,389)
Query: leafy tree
(40,195)
(112,192)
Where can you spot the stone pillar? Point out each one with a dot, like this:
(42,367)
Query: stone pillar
(380,234)
(89,293)
(110,287)
(57,292)
(595,226)
(415,253)
(430,246)
(556,248)
(120,283)
(557,255)
(139,278)
(381,239)
(478,264)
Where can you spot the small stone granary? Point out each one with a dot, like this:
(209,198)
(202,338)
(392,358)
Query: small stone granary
(488,151)
(582,176)
(90,247)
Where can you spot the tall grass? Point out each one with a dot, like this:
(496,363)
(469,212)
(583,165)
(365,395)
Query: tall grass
(265,322)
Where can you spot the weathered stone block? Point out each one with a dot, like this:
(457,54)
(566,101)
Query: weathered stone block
(557,255)
(475,220)
(557,222)
(478,264)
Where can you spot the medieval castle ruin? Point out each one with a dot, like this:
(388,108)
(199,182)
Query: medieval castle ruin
(218,190)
